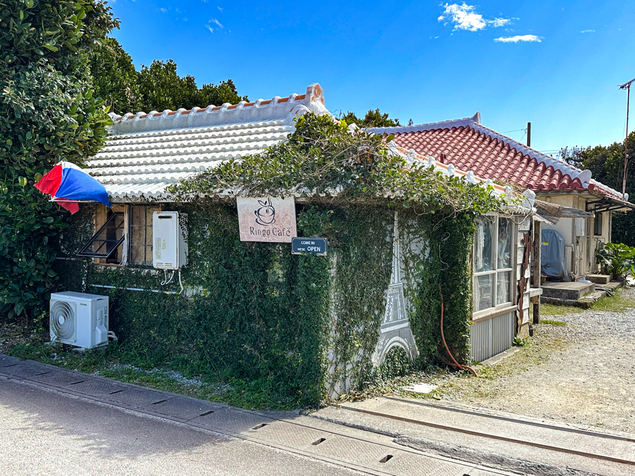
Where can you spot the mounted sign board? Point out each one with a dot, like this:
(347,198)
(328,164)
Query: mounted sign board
(266,219)
(316,246)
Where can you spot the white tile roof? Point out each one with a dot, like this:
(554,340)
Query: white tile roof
(145,153)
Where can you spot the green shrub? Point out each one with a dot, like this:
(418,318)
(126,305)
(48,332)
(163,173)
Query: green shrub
(616,259)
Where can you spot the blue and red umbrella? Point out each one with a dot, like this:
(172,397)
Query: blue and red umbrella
(68,184)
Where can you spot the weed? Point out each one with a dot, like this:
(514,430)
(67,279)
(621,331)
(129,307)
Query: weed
(129,365)
(521,342)
(617,303)
(552,323)
(557,310)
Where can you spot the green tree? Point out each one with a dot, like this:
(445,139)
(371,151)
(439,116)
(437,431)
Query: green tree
(48,114)
(606,163)
(115,78)
(225,92)
(371,119)
(154,88)
(162,88)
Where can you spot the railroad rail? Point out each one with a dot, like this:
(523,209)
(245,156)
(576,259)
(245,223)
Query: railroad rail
(507,439)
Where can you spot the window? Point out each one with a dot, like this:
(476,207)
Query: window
(140,217)
(128,227)
(106,242)
(597,224)
(493,263)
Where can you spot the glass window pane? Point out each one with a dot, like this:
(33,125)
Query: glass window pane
(106,242)
(141,234)
(597,224)
(483,292)
(504,243)
(137,216)
(484,244)
(136,254)
(149,212)
(148,259)
(503,287)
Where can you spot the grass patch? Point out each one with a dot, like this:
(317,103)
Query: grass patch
(467,388)
(552,323)
(556,310)
(617,303)
(125,365)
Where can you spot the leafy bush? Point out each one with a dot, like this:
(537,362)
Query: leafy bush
(616,259)
(48,114)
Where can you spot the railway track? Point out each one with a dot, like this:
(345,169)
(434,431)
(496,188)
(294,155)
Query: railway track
(543,441)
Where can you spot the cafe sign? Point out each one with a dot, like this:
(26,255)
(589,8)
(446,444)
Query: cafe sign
(267,219)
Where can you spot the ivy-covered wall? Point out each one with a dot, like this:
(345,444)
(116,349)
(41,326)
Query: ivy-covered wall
(296,324)
(301,327)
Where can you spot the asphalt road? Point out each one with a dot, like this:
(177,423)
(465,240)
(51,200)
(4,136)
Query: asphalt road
(46,433)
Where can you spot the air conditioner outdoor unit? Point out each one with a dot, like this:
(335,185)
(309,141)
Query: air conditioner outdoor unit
(169,249)
(79,319)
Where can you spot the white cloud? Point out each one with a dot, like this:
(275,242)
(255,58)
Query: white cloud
(517,38)
(464,17)
(163,10)
(209,28)
(220,9)
(216,22)
(587,31)
(496,22)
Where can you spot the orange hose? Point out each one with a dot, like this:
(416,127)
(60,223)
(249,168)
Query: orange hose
(455,364)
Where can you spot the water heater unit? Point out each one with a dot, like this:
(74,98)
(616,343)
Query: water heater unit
(169,250)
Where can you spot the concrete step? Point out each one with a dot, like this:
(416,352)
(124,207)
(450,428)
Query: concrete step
(599,278)
(584,302)
(571,291)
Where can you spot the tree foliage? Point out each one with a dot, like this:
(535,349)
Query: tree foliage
(606,163)
(48,114)
(115,78)
(162,88)
(154,88)
(616,259)
(371,119)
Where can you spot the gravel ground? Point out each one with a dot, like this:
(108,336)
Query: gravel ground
(581,373)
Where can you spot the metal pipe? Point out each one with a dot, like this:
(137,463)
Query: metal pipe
(133,289)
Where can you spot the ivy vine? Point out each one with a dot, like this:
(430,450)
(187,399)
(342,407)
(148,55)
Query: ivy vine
(300,326)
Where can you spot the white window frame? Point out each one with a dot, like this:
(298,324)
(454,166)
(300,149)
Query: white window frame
(495,271)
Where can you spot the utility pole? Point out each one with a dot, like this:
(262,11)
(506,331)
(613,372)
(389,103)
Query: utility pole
(626,86)
(529,134)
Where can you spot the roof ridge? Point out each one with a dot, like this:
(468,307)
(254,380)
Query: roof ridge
(276,108)
(565,168)
(465,121)
(474,122)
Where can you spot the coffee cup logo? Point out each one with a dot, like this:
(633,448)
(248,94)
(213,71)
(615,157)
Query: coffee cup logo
(266,214)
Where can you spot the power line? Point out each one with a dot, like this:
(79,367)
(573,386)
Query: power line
(515,130)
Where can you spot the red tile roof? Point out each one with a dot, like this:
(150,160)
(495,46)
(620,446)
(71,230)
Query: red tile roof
(468,145)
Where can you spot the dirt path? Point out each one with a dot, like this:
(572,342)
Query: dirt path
(581,373)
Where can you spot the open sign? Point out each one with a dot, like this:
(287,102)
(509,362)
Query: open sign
(314,246)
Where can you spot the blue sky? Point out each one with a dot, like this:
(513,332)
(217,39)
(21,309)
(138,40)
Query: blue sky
(556,64)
